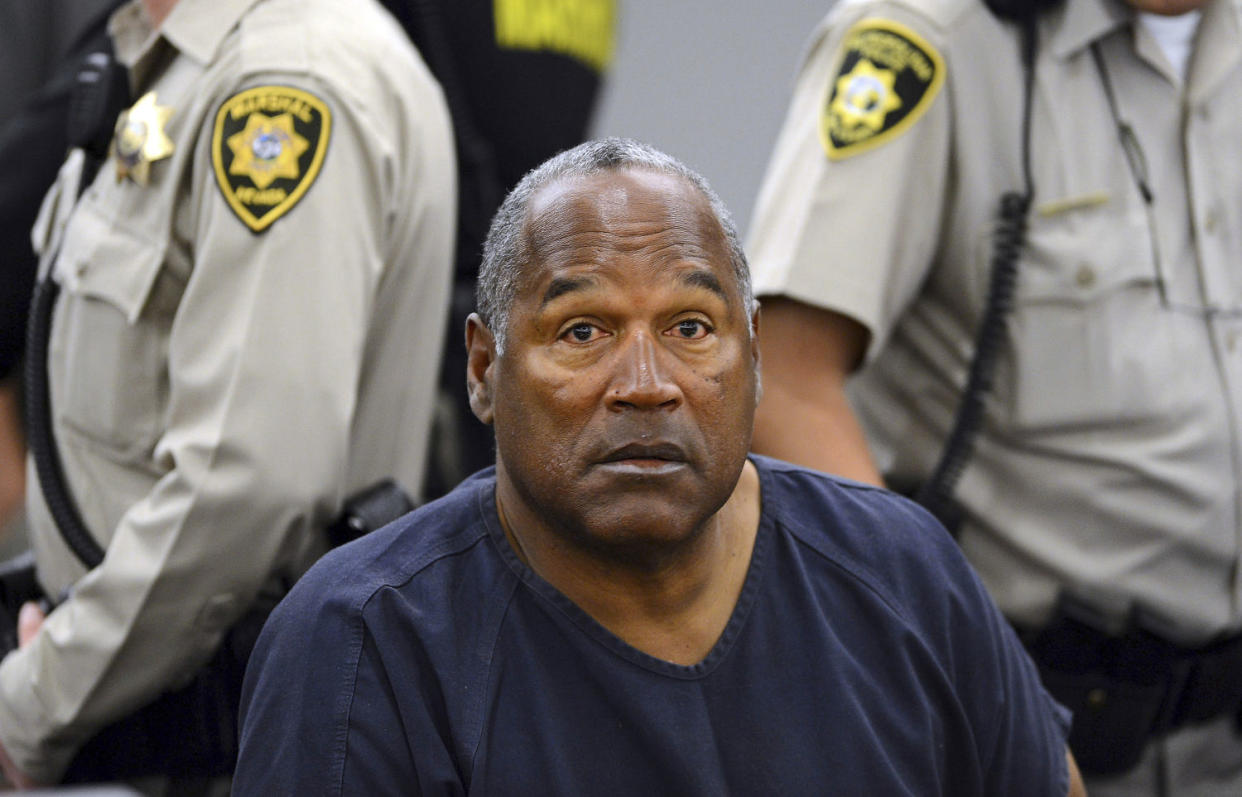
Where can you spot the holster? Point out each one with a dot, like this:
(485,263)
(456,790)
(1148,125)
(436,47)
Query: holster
(367,510)
(18,585)
(1130,688)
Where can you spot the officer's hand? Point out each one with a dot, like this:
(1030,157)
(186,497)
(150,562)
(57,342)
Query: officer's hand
(15,777)
(29,621)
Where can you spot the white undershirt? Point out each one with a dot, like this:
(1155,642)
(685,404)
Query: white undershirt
(1175,35)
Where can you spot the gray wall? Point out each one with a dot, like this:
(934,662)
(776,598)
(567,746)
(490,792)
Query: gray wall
(708,82)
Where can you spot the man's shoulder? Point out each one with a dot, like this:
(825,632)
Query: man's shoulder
(800,494)
(884,540)
(413,553)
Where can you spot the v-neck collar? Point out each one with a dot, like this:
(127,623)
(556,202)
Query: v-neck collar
(591,627)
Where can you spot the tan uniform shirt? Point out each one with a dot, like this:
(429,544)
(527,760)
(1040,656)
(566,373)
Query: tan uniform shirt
(1109,461)
(218,391)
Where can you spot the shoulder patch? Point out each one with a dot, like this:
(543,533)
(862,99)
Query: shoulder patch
(888,77)
(266,150)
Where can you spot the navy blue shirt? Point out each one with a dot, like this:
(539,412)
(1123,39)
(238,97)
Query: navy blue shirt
(863,657)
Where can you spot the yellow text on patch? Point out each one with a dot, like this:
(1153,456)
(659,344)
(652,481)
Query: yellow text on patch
(581,29)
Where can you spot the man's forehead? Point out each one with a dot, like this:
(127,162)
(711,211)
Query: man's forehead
(628,209)
(617,197)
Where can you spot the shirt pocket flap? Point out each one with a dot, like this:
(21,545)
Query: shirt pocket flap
(1083,256)
(108,261)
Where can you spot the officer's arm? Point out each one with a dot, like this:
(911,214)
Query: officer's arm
(1076,787)
(804,416)
(826,231)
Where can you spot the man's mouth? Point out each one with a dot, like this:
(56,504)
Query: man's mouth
(645,457)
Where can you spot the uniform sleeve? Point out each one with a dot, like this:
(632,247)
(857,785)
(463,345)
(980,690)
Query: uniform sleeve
(264,361)
(857,232)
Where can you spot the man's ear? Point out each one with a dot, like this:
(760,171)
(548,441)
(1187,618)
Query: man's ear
(480,357)
(754,353)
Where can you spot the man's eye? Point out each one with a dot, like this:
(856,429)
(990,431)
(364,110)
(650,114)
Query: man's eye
(581,333)
(690,329)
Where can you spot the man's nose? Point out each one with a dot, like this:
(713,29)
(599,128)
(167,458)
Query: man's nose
(643,379)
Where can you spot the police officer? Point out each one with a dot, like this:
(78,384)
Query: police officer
(1099,497)
(252,291)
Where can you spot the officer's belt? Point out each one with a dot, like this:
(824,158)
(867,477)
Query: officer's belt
(1126,690)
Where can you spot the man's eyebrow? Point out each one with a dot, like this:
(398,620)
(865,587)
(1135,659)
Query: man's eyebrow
(705,279)
(563,285)
(559,286)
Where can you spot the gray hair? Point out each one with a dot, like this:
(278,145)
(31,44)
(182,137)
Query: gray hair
(505,250)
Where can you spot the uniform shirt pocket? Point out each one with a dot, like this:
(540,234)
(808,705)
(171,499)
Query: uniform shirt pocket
(108,349)
(1087,332)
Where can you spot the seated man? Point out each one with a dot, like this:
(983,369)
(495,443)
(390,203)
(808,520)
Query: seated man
(628,604)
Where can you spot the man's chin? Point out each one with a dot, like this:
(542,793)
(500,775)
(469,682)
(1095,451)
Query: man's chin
(640,522)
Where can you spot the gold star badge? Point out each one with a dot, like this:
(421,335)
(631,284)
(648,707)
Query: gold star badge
(140,140)
(266,149)
(887,78)
(865,96)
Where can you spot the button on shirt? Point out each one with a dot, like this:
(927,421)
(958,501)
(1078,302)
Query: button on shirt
(217,392)
(1108,463)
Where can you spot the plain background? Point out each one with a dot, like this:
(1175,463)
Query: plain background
(708,83)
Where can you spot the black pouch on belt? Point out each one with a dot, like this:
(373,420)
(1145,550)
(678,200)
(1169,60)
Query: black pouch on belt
(1128,689)
(1115,704)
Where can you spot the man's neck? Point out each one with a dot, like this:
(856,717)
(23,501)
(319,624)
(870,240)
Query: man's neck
(157,10)
(674,607)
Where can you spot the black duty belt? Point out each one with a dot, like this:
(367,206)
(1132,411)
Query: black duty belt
(1126,690)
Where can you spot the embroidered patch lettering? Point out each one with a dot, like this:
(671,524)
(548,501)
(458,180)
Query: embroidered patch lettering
(888,77)
(266,149)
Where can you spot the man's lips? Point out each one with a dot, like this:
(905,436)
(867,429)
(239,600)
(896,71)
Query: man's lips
(639,453)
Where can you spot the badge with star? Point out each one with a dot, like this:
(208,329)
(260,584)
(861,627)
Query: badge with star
(887,78)
(139,139)
(266,150)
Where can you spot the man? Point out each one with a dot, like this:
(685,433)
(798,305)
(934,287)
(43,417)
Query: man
(1098,489)
(251,297)
(627,604)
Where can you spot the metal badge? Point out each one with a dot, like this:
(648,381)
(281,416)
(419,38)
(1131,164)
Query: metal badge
(140,140)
